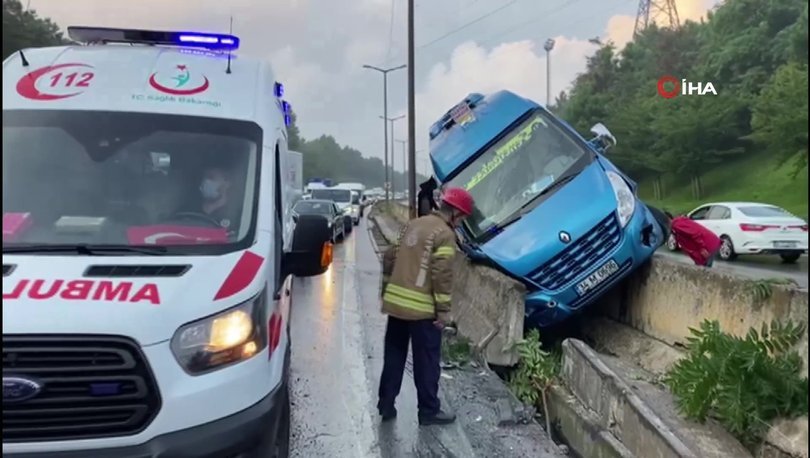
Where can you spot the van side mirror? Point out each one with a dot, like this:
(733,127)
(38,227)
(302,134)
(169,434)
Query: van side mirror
(604,139)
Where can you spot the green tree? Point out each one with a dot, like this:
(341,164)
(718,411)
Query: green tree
(23,28)
(779,120)
(741,48)
(294,140)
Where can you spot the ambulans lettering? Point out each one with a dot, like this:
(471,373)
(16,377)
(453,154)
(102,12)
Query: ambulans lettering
(84,290)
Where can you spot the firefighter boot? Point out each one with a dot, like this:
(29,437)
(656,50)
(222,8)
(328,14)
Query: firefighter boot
(440,418)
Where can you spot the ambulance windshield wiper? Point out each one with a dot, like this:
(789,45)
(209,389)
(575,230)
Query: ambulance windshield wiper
(86,250)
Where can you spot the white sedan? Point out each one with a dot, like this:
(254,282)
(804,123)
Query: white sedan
(752,228)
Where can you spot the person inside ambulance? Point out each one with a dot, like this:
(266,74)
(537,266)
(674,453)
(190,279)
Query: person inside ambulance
(215,190)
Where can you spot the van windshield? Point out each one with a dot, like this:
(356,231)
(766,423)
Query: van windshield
(99,179)
(343,196)
(517,168)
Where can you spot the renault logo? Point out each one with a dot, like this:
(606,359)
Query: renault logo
(564,237)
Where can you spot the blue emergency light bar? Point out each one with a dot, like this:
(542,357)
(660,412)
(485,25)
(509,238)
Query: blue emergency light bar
(211,41)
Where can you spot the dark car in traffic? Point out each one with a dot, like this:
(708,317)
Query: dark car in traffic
(325,208)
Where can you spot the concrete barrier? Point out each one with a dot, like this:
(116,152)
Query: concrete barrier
(627,412)
(665,298)
(487,305)
(787,438)
(398,210)
(662,300)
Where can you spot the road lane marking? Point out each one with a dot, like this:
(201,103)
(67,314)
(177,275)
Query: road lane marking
(355,391)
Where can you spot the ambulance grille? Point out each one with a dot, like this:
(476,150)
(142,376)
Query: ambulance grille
(7,269)
(89,387)
(136,271)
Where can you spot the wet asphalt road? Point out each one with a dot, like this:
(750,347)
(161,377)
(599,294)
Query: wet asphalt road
(337,335)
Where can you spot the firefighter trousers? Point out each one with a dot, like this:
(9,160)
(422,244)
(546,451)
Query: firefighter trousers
(426,345)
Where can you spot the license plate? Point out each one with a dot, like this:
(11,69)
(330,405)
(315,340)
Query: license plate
(785,244)
(595,279)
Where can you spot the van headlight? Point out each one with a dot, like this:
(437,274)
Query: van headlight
(219,340)
(625,200)
(347,211)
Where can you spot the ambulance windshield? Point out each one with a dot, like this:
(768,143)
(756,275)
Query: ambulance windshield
(183,183)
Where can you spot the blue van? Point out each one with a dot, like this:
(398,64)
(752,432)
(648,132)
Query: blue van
(551,210)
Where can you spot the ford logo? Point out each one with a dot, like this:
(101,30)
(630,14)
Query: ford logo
(19,389)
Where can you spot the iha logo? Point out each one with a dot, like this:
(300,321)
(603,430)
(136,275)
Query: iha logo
(669,87)
(180,82)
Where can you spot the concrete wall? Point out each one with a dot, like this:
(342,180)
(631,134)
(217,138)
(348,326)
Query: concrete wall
(666,298)
(399,210)
(487,305)
(488,310)
(663,299)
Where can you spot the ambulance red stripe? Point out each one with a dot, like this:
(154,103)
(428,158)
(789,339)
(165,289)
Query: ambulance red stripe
(241,276)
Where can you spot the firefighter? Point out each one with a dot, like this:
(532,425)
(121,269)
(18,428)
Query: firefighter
(417,283)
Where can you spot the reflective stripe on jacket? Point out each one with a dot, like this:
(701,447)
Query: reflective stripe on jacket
(418,270)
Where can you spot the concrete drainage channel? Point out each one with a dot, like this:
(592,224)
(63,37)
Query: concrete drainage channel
(610,402)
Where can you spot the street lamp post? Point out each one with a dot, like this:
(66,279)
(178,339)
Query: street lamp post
(411,114)
(393,168)
(385,72)
(548,46)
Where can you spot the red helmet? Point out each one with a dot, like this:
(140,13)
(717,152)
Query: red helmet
(459,199)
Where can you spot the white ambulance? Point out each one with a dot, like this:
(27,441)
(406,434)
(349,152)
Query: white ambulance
(147,242)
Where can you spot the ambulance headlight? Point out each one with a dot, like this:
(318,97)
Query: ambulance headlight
(223,339)
(625,200)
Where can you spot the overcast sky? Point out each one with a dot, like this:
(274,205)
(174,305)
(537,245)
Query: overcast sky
(318,48)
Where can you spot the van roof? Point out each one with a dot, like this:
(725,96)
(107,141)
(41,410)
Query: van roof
(451,147)
(138,78)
